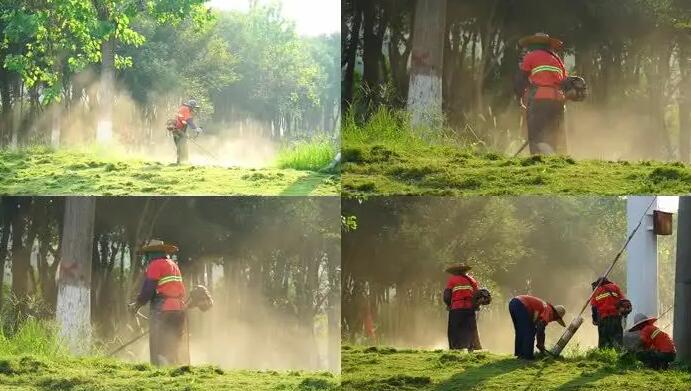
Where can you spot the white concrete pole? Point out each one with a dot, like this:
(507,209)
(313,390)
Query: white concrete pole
(641,258)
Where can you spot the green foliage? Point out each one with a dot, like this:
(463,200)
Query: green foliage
(365,369)
(61,37)
(16,311)
(307,155)
(41,171)
(34,337)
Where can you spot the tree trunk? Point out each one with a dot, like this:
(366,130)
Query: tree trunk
(425,88)
(685,99)
(7,211)
(73,312)
(104,132)
(20,266)
(6,115)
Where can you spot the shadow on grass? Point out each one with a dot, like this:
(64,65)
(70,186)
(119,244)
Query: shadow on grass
(586,378)
(476,376)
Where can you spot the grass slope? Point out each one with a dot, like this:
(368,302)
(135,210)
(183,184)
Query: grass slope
(399,169)
(34,373)
(45,172)
(383,369)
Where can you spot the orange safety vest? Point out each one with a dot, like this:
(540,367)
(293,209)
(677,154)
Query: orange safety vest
(462,289)
(169,284)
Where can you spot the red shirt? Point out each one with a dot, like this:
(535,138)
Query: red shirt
(656,339)
(546,71)
(462,289)
(605,299)
(538,308)
(166,274)
(184,115)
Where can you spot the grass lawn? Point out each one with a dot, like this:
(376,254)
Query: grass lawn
(384,369)
(384,156)
(34,373)
(40,171)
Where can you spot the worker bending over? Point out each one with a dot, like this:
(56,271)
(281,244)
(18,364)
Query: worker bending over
(530,316)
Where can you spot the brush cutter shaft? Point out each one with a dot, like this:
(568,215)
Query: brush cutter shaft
(566,337)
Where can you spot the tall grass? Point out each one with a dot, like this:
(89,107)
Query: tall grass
(309,156)
(34,337)
(393,128)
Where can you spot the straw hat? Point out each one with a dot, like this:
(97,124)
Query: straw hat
(540,39)
(641,320)
(560,311)
(155,245)
(459,268)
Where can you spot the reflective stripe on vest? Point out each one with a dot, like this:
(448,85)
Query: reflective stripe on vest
(605,295)
(546,68)
(654,334)
(167,279)
(461,287)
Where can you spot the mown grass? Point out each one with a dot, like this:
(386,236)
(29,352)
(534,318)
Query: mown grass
(383,369)
(385,157)
(32,359)
(41,171)
(311,156)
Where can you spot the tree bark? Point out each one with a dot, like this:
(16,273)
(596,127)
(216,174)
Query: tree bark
(73,312)
(685,99)
(427,60)
(104,132)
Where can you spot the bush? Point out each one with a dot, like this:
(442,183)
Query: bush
(309,156)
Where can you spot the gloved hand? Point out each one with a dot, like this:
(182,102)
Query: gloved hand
(199,131)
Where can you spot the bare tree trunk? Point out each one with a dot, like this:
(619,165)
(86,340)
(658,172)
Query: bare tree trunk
(104,132)
(73,312)
(427,61)
(685,98)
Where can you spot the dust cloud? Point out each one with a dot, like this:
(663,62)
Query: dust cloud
(252,336)
(140,132)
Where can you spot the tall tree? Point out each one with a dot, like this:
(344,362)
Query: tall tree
(73,312)
(426,63)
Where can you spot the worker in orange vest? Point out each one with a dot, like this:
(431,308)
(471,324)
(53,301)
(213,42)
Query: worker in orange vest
(608,305)
(184,121)
(463,298)
(659,348)
(538,85)
(164,291)
(530,316)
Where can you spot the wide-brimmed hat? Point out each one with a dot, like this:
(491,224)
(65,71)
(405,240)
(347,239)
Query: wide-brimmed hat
(641,320)
(559,312)
(155,245)
(458,268)
(192,103)
(540,39)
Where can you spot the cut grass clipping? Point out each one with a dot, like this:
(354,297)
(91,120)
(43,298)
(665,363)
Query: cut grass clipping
(41,171)
(384,369)
(385,157)
(32,360)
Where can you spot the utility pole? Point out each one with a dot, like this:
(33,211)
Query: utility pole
(73,310)
(641,257)
(682,283)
